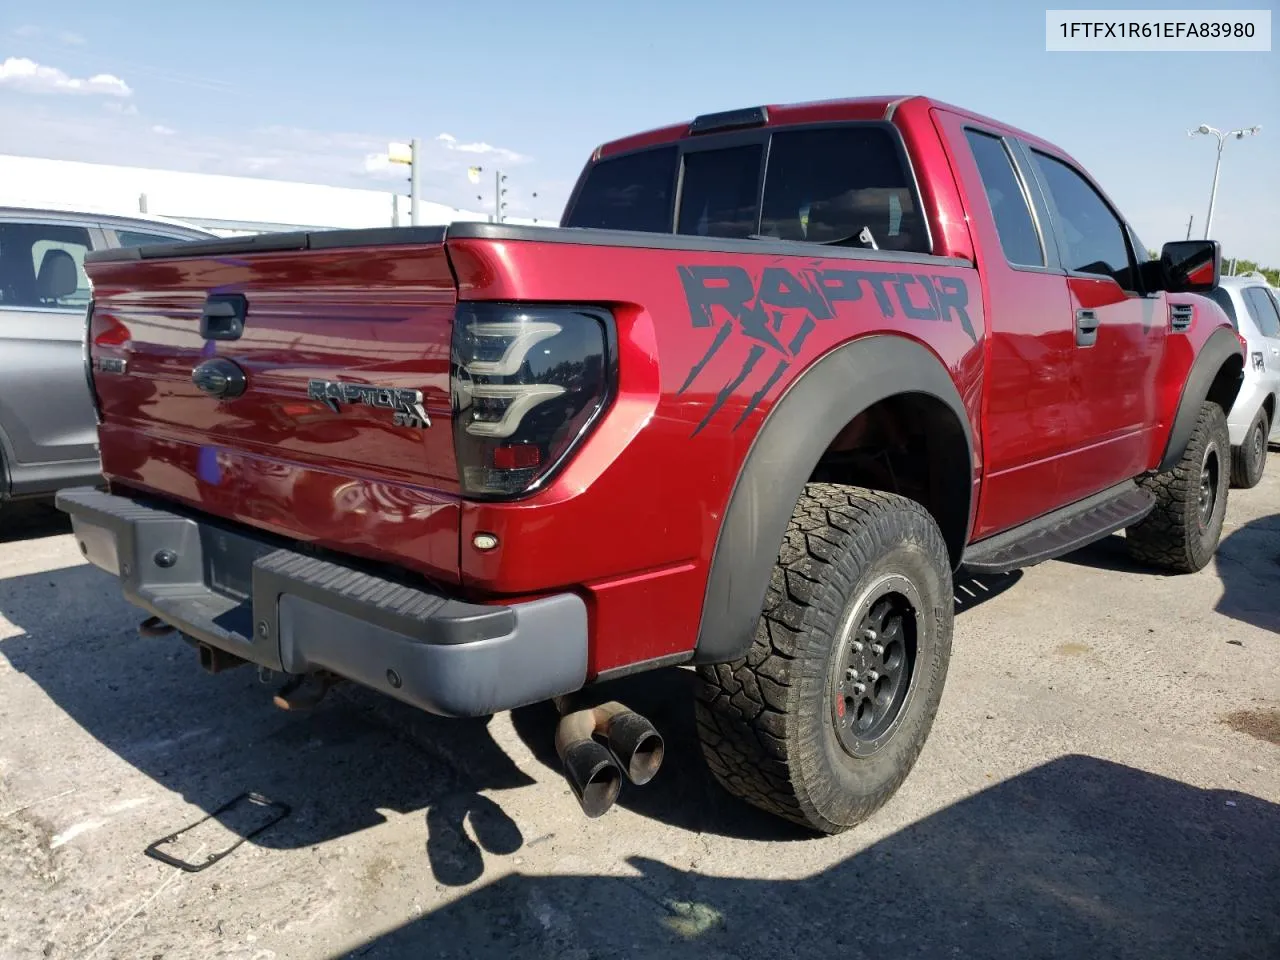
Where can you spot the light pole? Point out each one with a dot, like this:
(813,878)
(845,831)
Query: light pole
(1203,129)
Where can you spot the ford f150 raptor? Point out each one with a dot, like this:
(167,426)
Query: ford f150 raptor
(781,372)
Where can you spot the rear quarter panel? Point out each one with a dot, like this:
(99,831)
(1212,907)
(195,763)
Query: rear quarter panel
(707,343)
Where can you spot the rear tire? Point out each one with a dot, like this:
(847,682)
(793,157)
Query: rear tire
(807,727)
(1182,532)
(1249,460)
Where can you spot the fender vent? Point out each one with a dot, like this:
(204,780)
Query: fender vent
(1180,315)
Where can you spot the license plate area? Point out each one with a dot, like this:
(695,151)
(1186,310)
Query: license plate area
(228,562)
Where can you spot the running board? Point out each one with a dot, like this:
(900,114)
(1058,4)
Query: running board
(1062,531)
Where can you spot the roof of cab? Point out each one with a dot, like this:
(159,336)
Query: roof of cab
(814,111)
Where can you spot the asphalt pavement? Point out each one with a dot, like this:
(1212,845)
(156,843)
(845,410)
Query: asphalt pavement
(1103,780)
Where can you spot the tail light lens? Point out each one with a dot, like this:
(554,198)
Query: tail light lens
(527,382)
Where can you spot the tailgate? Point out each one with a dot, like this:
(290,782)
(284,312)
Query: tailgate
(295,382)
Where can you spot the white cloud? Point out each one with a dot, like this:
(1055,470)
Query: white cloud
(482,148)
(164,131)
(27,31)
(23,74)
(115,106)
(72,39)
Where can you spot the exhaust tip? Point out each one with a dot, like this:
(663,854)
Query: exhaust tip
(593,775)
(637,745)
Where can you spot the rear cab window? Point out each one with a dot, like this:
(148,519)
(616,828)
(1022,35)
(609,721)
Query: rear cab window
(632,192)
(845,183)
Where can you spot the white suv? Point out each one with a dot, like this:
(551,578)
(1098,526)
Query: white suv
(1255,310)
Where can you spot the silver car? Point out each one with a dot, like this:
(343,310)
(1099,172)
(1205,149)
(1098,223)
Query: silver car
(1253,308)
(48,435)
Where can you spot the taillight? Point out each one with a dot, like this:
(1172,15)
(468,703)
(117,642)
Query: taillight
(527,382)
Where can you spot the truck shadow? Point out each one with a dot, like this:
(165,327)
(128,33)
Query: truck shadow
(1247,562)
(210,738)
(30,520)
(684,794)
(1079,857)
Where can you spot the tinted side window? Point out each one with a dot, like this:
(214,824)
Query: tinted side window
(1263,310)
(42,265)
(720,192)
(628,193)
(136,238)
(1018,236)
(1094,237)
(828,185)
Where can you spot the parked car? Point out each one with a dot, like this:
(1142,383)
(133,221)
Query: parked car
(1254,309)
(48,436)
(783,371)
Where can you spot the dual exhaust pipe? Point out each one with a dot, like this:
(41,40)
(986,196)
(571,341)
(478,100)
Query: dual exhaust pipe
(632,747)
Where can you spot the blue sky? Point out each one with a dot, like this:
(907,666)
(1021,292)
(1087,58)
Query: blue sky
(313,90)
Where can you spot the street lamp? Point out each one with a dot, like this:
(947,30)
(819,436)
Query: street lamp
(1204,129)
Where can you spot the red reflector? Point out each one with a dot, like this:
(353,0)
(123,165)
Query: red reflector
(114,334)
(516,457)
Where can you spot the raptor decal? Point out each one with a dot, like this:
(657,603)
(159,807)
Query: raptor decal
(776,313)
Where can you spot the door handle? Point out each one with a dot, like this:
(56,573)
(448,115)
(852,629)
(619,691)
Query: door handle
(1086,328)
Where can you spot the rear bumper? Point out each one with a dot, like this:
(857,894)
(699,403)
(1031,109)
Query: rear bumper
(230,588)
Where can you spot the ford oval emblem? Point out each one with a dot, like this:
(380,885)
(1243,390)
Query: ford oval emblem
(220,378)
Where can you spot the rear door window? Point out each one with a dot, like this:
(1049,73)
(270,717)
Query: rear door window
(1014,225)
(138,238)
(42,266)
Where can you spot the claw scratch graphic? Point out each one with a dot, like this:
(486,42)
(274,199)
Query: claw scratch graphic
(759,312)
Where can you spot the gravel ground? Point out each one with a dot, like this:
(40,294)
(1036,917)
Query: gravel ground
(1103,781)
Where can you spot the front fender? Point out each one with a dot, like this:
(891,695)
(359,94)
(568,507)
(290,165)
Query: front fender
(1216,373)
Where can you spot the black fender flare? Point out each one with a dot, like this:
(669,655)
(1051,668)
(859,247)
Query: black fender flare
(797,431)
(1209,378)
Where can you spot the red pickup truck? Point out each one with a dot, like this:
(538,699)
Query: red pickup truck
(781,373)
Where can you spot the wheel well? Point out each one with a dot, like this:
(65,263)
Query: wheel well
(1269,405)
(913,445)
(1226,383)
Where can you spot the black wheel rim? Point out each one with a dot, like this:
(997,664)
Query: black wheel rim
(875,666)
(1208,486)
(1259,444)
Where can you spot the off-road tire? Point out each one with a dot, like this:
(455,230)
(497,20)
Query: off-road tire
(1249,460)
(1172,535)
(768,722)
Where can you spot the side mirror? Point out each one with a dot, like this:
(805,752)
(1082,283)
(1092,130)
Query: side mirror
(1190,266)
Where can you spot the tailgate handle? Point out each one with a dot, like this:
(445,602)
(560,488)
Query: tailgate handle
(223,316)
